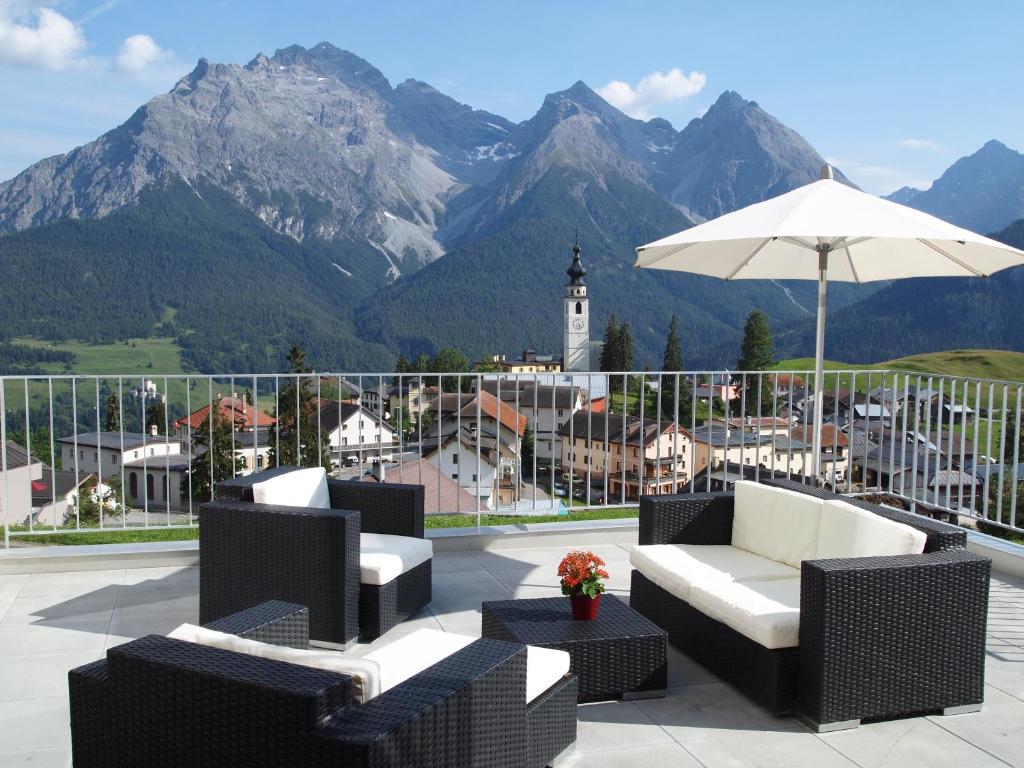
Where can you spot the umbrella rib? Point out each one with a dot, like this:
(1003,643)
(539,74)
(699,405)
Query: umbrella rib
(951,257)
(661,258)
(849,258)
(747,260)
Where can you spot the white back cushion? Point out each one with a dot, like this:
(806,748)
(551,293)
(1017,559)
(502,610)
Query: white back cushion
(410,655)
(779,524)
(365,673)
(848,531)
(299,488)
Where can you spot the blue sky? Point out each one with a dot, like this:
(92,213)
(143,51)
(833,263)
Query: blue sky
(894,92)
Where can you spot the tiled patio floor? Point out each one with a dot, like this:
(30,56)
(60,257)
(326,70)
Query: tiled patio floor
(50,623)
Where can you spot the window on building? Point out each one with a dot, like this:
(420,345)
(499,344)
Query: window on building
(455,458)
(579,307)
(152,451)
(455,475)
(560,411)
(133,485)
(474,478)
(136,455)
(344,441)
(259,462)
(165,489)
(81,454)
(150,488)
(114,457)
(95,457)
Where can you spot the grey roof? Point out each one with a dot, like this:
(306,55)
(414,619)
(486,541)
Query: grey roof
(584,424)
(530,392)
(17,456)
(113,440)
(173,460)
(65,481)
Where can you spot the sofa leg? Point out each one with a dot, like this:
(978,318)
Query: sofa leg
(562,757)
(838,725)
(962,710)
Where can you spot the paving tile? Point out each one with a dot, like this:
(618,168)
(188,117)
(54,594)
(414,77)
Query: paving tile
(514,559)
(36,639)
(36,677)
(711,710)
(185,576)
(785,749)
(70,584)
(455,562)
(909,743)
(42,758)
(465,622)
(668,755)
(996,729)
(56,610)
(125,629)
(146,602)
(448,585)
(34,724)
(615,725)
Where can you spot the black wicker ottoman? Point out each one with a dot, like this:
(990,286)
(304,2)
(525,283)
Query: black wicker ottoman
(619,655)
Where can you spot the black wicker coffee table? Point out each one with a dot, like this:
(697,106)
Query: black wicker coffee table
(619,655)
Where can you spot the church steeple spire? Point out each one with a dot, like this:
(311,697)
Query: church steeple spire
(576,270)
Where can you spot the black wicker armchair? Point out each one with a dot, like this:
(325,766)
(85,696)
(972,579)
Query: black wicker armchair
(159,702)
(878,636)
(254,552)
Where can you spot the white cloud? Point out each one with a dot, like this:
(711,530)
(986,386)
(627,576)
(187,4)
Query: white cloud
(39,37)
(926,145)
(138,53)
(654,89)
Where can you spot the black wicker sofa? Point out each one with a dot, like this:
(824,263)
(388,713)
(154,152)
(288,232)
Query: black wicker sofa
(255,552)
(878,637)
(160,702)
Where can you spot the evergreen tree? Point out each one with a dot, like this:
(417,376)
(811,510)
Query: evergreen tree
(112,421)
(156,416)
(402,365)
(449,360)
(624,348)
(297,443)
(757,353)
(610,343)
(672,362)
(527,451)
(210,448)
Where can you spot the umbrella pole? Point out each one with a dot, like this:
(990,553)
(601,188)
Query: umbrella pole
(819,359)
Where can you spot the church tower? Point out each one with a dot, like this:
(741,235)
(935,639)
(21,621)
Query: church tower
(576,337)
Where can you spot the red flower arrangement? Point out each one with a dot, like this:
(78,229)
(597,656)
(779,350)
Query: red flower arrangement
(582,574)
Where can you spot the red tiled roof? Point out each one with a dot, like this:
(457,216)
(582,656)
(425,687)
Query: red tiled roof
(233,408)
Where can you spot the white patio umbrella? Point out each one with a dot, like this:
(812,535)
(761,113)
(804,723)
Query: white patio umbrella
(825,231)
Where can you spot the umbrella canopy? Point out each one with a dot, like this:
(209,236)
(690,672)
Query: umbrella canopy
(869,238)
(828,231)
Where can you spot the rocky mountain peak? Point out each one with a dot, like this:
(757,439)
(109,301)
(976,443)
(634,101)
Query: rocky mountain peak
(327,59)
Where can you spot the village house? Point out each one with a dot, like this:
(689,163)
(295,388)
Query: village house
(834,461)
(20,472)
(480,462)
(354,434)
(470,410)
(530,362)
(235,410)
(546,408)
(714,446)
(639,456)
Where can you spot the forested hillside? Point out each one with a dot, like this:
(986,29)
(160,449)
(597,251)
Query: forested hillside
(194,265)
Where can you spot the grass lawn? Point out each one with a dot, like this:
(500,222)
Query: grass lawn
(142,535)
(132,358)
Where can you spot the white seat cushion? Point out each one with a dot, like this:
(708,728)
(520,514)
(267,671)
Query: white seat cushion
(776,523)
(410,655)
(848,531)
(383,557)
(768,612)
(298,488)
(676,567)
(544,668)
(365,673)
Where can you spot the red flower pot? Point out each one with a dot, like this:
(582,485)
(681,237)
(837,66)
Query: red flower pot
(585,608)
